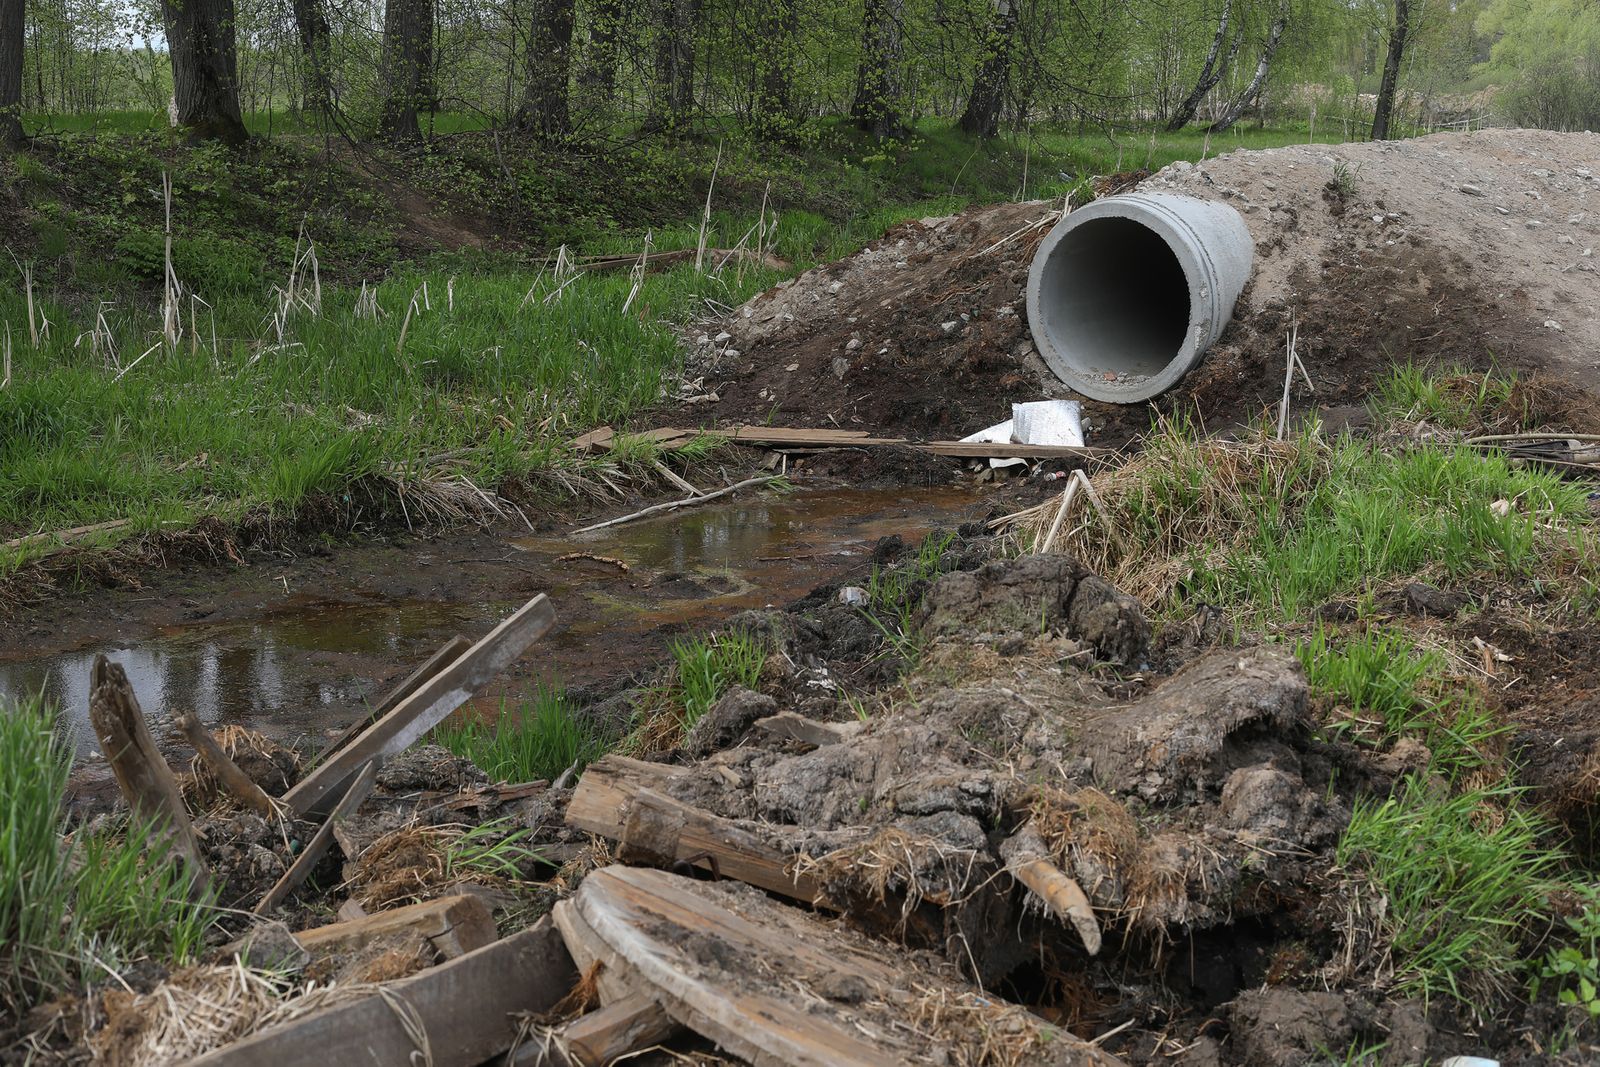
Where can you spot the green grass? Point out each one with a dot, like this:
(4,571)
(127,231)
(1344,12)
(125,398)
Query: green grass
(894,594)
(708,667)
(540,740)
(1389,690)
(1464,876)
(74,907)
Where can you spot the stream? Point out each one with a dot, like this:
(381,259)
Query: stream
(309,664)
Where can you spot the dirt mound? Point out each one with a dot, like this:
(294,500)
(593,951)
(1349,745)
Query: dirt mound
(1469,249)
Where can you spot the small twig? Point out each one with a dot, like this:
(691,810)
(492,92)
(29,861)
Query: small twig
(672,504)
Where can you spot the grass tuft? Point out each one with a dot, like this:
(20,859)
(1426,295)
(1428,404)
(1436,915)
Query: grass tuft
(76,906)
(1464,877)
(540,740)
(708,667)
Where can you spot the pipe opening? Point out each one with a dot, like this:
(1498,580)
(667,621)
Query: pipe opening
(1115,299)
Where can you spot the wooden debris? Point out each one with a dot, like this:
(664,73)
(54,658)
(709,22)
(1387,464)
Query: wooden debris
(428,704)
(774,984)
(601,1037)
(669,438)
(614,799)
(454,926)
(1026,859)
(660,260)
(141,772)
(303,864)
(786,724)
(463,1011)
(448,654)
(235,781)
(62,538)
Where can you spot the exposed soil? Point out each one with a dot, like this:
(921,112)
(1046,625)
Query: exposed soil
(924,332)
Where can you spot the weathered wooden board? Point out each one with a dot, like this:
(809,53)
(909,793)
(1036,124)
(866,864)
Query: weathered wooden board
(802,437)
(466,1008)
(631,1024)
(427,706)
(304,863)
(774,984)
(614,798)
(235,781)
(448,654)
(454,926)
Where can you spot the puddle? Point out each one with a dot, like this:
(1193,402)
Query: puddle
(309,665)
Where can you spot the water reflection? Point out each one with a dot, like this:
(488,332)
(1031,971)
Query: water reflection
(310,664)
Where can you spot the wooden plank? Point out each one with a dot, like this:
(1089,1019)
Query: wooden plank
(635,1023)
(140,769)
(613,978)
(235,781)
(467,1009)
(313,852)
(447,654)
(775,985)
(453,925)
(612,800)
(802,437)
(430,703)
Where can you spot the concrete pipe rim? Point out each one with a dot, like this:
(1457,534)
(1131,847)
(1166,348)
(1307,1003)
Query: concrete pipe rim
(1201,283)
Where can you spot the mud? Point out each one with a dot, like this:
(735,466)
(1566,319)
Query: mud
(924,332)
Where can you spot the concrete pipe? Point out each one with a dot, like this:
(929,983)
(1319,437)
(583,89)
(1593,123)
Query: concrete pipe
(1127,293)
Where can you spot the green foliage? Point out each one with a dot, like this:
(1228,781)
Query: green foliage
(707,667)
(72,906)
(1464,876)
(541,739)
(1574,969)
(894,593)
(1447,397)
(1391,690)
(495,848)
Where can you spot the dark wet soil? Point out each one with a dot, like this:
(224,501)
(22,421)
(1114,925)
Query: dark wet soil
(299,646)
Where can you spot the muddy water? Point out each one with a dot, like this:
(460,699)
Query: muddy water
(307,665)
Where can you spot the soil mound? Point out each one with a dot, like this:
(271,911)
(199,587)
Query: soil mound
(1456,249)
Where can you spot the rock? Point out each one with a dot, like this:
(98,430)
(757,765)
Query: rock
(841,367)
(268,946)
(1229,708)
(853,344)
(1033,594)
(1420,598)
(1471,190)
(726,721)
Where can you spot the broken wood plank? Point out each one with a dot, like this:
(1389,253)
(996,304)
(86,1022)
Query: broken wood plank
(308,858)
(454,925)
(239,784)
(63,537)
(613,978)
(141,771)
(467,1009)
(660,260)
(774,984)
(447,654)
(786,724)
(600,1037)
(427,706)
(652,827)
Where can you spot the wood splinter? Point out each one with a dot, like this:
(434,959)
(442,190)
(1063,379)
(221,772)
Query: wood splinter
(1061,894)
(234,780)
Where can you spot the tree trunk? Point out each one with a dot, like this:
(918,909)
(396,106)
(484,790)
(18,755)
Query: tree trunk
(773,96)
(876,108)
(311,24)
(12,21)
(406,69)
(982,116)
(598,79)
(676,22)
(205,69)
(1211,73)
(1384,108)
(1237,109)
(546,102)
